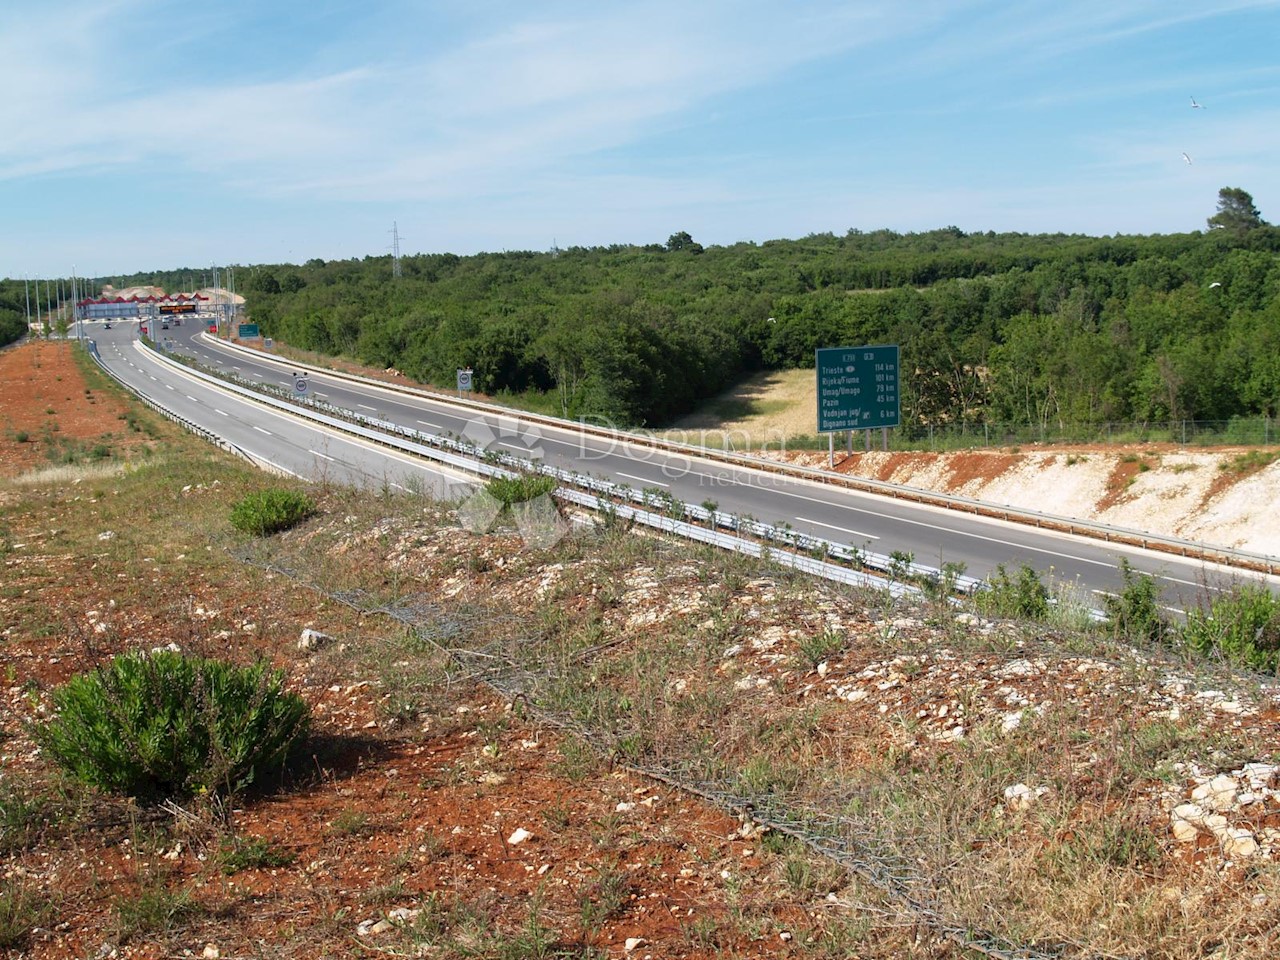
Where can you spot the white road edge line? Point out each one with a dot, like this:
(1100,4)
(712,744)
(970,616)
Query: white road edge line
(656,483)
(832,526)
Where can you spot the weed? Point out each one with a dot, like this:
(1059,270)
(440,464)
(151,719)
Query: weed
(350,823)
(536,941)
(154,909)
(604,898)
(1023,596)
(702,932)
(520,488)
(24,817)
(22,908)
(557,816)
(1250,462)
(1113,843)
(386,893)
(942,585)
(577,760)
(271,511)
(1242,627)
(251,853)
(815,649)
(1135,611)
(900,564)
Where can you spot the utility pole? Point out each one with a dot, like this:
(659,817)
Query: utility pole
(26,288)
(395,249)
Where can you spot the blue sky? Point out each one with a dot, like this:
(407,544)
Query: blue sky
(158,134)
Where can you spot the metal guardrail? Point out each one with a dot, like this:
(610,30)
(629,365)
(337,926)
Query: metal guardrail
(1099,531)
(602,495)
(190,426)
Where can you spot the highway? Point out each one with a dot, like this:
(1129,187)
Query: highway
(933,535)
(275,440)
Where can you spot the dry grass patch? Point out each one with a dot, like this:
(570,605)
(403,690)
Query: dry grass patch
(766,408)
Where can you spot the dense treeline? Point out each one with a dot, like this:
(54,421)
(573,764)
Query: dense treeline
(1010,327)
(13,311)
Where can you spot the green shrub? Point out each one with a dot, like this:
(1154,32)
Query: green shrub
(1242,626)
(270,511)
(1023,596)
(520,488)
(168,725)
(1135,611)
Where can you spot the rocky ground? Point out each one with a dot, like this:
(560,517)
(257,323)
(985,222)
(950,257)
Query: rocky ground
(613,747)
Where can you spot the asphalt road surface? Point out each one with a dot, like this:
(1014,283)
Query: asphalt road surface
(933,535)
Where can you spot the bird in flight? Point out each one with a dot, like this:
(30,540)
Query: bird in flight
(1197,106)
(1186,158)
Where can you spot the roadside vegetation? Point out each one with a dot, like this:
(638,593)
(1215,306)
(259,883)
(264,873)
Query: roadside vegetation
(1044,334)
(269,511)
(894,778)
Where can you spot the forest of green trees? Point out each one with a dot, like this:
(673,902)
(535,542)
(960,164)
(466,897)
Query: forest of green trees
(13,311)
(1029,329)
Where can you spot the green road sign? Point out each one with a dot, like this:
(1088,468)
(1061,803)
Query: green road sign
(248,330)
(857,388)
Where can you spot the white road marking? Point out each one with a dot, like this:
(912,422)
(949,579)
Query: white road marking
(832,526)
(918,523)
(366,406)
(656,483)
(324,455)
(192,399)
(260,430)
(434,426)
